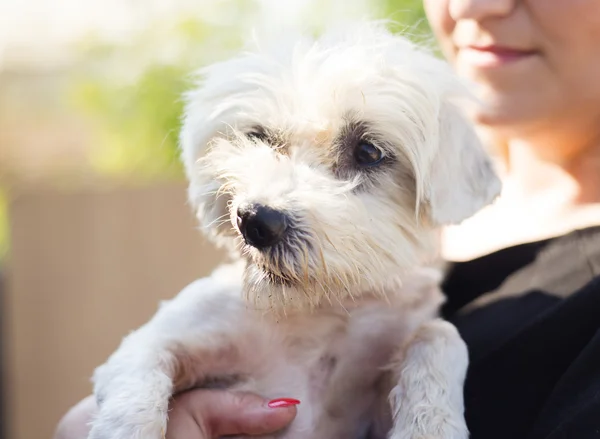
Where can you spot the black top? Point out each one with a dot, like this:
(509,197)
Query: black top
(530,315)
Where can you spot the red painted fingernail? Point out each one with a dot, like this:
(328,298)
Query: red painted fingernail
(283,402)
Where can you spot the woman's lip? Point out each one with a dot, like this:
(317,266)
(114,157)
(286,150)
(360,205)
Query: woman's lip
(493,56)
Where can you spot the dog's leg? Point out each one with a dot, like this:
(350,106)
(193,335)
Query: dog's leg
(200,335)
(427,401)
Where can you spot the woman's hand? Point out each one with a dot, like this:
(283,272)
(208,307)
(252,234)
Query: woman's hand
(200,414)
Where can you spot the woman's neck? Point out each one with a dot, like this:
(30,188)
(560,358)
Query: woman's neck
(543,195)
(573,178)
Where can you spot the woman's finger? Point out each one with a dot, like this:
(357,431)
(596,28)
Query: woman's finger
(215,413)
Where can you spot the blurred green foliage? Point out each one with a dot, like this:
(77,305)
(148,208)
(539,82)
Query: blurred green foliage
(410,16)
(138,123)
(132,94)
(137,120)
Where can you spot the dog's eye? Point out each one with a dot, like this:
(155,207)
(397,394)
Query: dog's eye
(367,154)
(257,133)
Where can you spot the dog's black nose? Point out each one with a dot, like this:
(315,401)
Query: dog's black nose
(260,225)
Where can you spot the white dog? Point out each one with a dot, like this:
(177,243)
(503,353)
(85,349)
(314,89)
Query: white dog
(329,165)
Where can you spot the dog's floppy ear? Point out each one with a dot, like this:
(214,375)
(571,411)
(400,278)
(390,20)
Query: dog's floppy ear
(201,129)
(462,178)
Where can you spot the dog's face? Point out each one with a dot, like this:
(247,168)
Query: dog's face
(330,163)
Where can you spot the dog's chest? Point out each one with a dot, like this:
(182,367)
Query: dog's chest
(335,363)
(327,343)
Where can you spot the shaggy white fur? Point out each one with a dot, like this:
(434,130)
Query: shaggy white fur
(357,142)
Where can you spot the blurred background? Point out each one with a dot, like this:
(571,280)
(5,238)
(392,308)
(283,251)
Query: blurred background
(94,226)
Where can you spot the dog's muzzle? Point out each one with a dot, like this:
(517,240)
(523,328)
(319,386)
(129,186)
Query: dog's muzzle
(260,225)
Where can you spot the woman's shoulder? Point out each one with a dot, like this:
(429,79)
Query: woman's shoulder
(509,222)
(557,266)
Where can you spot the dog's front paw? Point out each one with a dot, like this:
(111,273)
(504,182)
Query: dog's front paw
(129,421)
(126,428)
(415,420)
(428,398)
(431,425)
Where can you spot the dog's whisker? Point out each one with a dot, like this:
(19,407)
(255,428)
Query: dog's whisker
(285,298)
(305,266)
(337,298)
(329,241)
(322,258)
(345,282)
(219,221)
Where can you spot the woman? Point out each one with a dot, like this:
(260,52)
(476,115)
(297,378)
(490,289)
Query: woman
(530,308)
(530,313)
